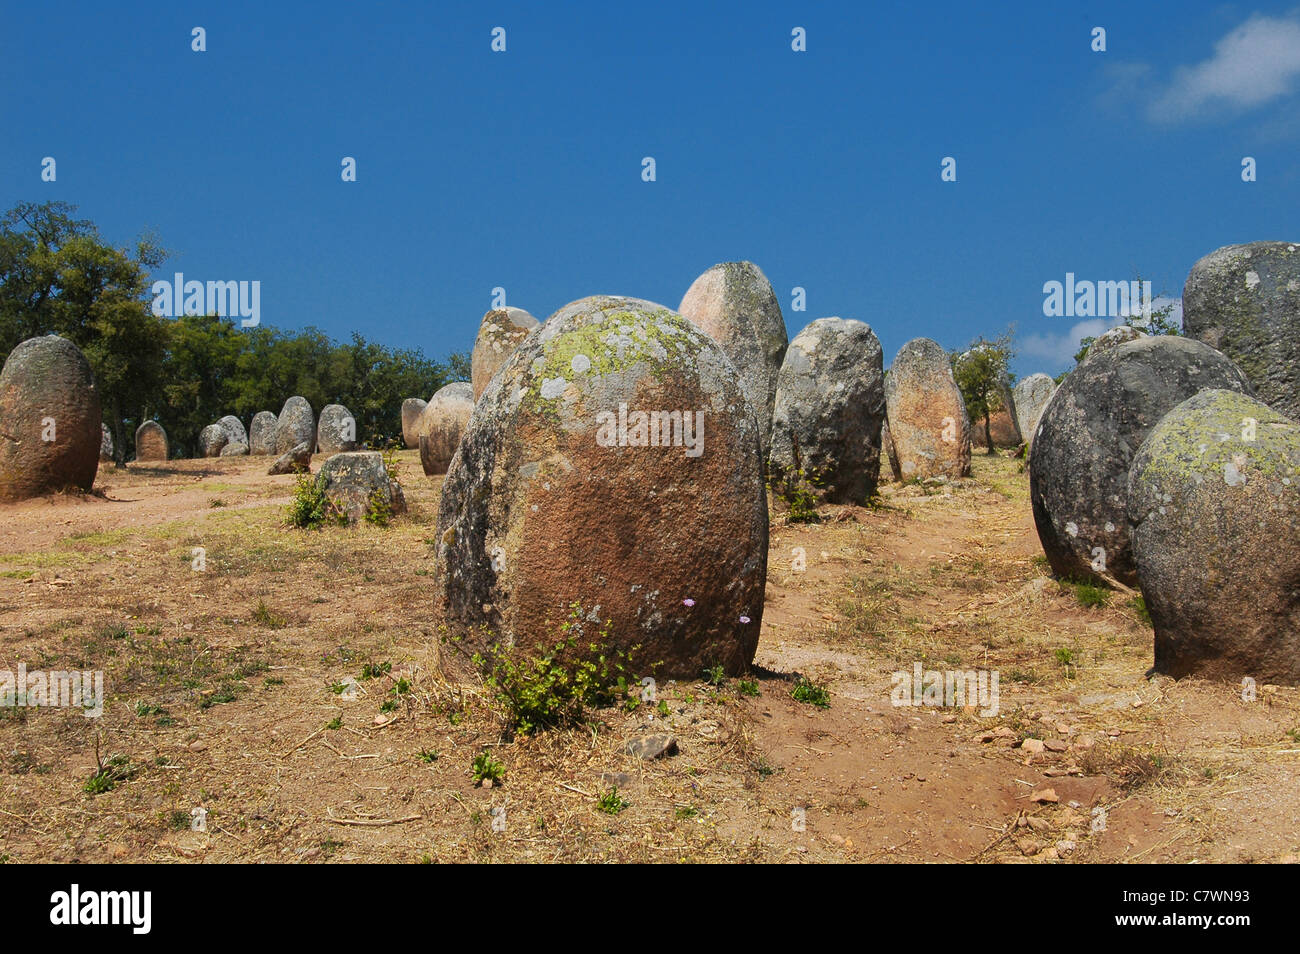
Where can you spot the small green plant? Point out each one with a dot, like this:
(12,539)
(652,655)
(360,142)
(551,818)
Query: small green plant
(663,709)
(808,691)
(116,769)
(1139,605)
(748,687)
(611,802)
(216,502)
(715,676)
(1089,595)
(334,723)
(148,709)
(388,705)
(263,616)
(379,508)
(486,767)
(686,811)
(427,756)
(311,507)
(374,671)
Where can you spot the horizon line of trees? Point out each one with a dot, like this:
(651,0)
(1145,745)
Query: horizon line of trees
(57,276)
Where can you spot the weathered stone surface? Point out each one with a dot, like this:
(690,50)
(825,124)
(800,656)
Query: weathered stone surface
(151,442)
(49,420)
(1245,301)
(105,445)
(336,432)
(1086,439)
(412,408)
(927,416)
(1112,338)
(735,306)
(261,433)
(1031,395)
(236,449)
(351,478)
(829,408)
(234,428)
(1214,506)
(656,529)
(212,439)
(649,747)
(499,334)
(295,425)
(442,424)
(1002,427)
(292,461)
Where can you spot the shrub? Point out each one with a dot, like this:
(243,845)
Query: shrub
(311,508)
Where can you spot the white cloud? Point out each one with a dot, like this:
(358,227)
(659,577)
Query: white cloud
(1255,63)
(1056,351)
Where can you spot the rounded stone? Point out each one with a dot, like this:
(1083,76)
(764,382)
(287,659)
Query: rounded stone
(499,334)
(735,305)
(412,408)
(928,424)
(295,425)
(1214,507)
(336,432)
(212,439)
(1244,300)
(829,408)
(626,497)
(151,442)
(50,420)
(1031,395)
(442,424)
(234,428)
(236,449)
(1086,439)
(261,433)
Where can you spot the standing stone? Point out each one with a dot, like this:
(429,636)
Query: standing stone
(296,459)
(295,425)
(1031,396)
(829,408)
(1214,504)
(735,306)
(352,480)
(261,433)
(442,424)
(927,415)
(234,428)
(499,335)
(105,445)
(613,463)
(49,409)
(236,449)
(1245,301)
(151,442)
(412,408)
(336,433)
(1086,439)
(212,439)
(1002,427)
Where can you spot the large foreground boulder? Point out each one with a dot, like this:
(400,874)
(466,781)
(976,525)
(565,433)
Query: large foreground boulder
(1245,301)
(50,421)
(336,432)
(1031,395)
(212,439)
(830,405)
(1086,439)
(105,445)
(499,335)
(928,424)
(295,425)
(610,475)
(1214,504)
(735,305)
(151,442)
(357,482)
(295,460)
(442,424)
(412,408)
(261,433)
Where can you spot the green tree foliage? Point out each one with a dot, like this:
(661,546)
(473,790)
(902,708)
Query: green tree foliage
(981,374)
(57,276)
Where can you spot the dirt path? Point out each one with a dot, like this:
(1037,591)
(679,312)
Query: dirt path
(228,693)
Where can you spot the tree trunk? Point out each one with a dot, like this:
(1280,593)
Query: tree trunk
(119,436)
(988,434)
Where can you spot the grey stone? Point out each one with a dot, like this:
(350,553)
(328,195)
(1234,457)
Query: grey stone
(1031,395)
(295,425)
(295,460)
(211,439)
(499,334)
(1245,301)
(650,747)
(235,449)
(412,408)
(105,445)
(829,409)
(352,477)
(336,431)
(261,433)
(928,425)
(234,428)
(1086,439)
(442,424)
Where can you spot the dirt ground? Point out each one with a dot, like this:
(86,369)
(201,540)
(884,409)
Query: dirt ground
(228,698)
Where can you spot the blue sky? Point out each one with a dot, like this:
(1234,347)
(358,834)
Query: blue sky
(522,169)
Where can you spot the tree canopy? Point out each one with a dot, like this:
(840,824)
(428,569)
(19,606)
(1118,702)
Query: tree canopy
(982,376)
(57,276)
